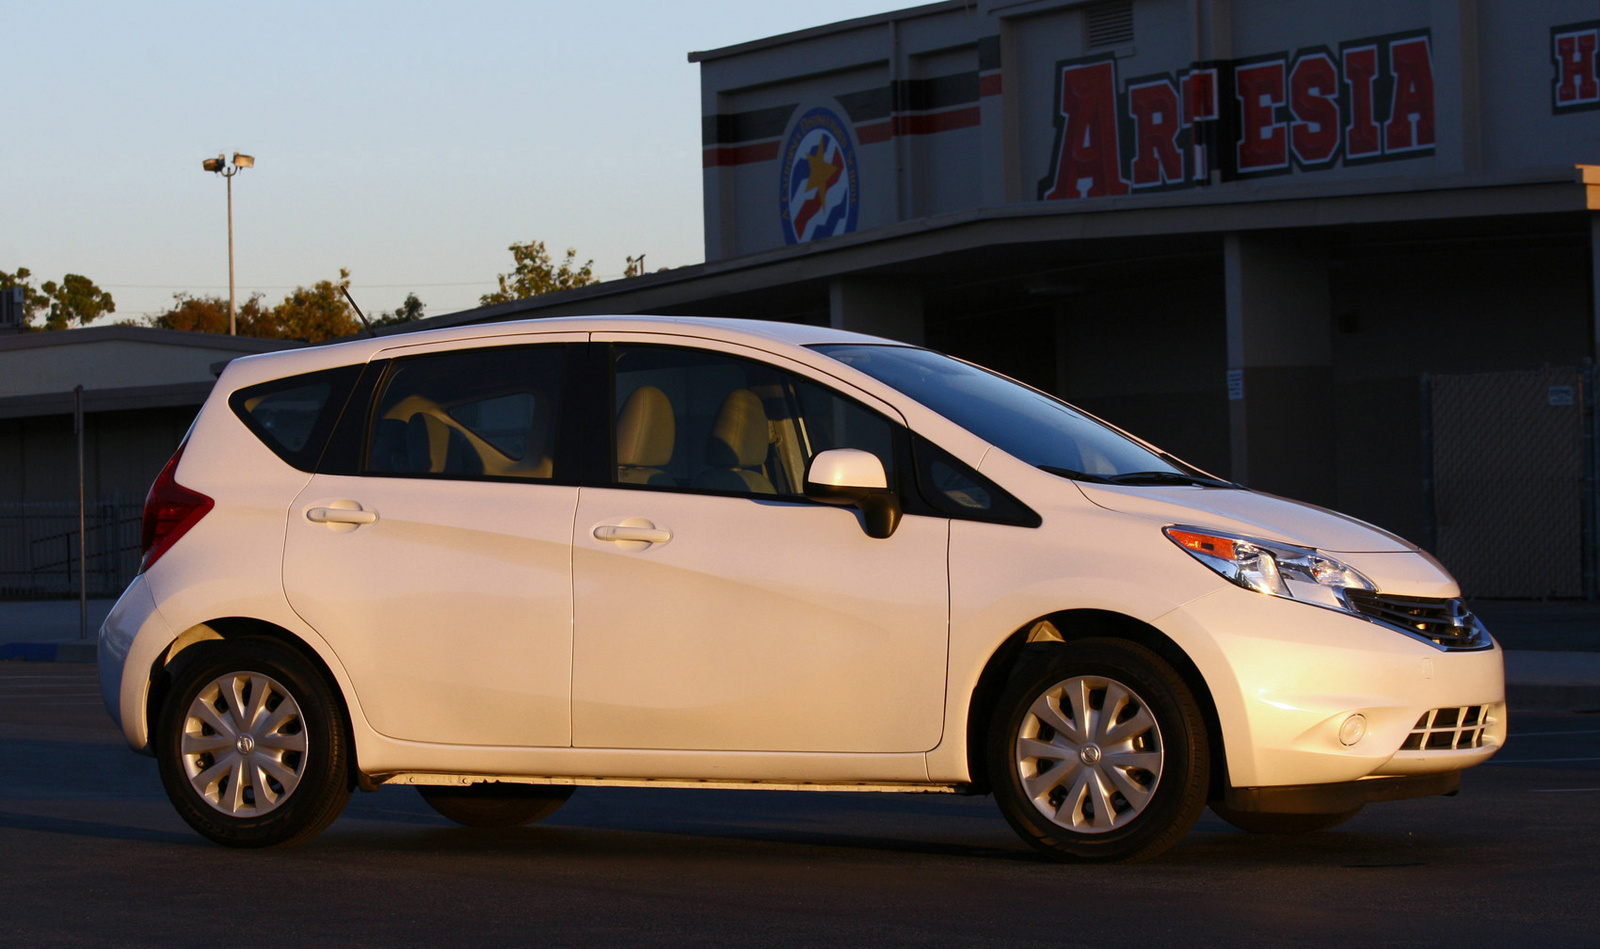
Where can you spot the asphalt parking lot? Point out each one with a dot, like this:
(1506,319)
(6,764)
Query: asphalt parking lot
(92,854)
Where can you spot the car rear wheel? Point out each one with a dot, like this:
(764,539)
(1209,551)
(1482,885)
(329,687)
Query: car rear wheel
(492,804)
(1098,752)
(251,745)
(1259,823)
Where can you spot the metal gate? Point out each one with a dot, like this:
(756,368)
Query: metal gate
(1510,461)
(39,548)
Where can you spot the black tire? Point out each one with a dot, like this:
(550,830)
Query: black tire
(290,781)
(1143,810)
(1258,823)
(493,804)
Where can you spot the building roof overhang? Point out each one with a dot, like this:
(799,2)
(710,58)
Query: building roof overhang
(1129,222)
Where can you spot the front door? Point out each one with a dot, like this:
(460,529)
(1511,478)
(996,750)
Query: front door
(718,609)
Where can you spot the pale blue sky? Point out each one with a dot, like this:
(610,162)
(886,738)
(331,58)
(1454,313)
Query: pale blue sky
(410,142)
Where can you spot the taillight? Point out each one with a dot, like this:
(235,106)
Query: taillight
(169,511)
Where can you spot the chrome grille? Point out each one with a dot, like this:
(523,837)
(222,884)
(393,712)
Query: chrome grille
(1447,729)
(1446,623)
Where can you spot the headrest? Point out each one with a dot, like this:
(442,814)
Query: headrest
(426,442)
(740,436)
(645,429)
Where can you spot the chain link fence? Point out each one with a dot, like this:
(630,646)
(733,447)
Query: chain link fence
(39,547)
(1510,481)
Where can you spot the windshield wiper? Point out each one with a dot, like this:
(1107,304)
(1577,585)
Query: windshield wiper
(1074,475)
(1168,477)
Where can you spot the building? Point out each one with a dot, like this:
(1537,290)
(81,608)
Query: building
(141,389)
(1280,238)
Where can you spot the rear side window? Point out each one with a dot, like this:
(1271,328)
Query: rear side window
(293,416)
(478,413)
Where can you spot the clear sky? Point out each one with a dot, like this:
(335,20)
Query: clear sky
(410,142)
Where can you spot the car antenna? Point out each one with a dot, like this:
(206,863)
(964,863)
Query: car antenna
(346,291)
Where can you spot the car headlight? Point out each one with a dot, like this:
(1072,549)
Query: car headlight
(1298,573)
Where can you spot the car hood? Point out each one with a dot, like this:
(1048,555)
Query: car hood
(1242,511)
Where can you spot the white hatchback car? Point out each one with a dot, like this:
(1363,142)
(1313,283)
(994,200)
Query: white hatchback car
(498,562)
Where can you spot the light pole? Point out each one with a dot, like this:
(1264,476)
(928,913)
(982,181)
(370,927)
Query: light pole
(220,165)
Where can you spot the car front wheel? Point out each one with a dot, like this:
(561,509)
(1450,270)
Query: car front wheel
(251,745)
(1098,752)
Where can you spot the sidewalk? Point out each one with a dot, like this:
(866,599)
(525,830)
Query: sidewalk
(1552,648)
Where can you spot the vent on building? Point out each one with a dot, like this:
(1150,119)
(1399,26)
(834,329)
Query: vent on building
(1109,23)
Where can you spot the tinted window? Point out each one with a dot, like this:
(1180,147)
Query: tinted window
(481,413)
(1023,422)
(292,416)
(955,489)
(695,419)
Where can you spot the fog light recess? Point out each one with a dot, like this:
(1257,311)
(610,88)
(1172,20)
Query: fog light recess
(1354,729)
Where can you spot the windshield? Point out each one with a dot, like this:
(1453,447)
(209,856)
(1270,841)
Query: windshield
(1040,430)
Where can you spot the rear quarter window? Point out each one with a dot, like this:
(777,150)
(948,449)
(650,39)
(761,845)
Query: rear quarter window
(293,415)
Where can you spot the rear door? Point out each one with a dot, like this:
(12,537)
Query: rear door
(438,566)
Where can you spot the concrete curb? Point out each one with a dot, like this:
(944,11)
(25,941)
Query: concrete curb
(1533,697)
(48,652)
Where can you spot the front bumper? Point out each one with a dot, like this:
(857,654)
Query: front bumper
(1340,798)
(1286,676)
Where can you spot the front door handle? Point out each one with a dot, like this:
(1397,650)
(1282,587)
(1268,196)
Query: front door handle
(622,532)
(334,515)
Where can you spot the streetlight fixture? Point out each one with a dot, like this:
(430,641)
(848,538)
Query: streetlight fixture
(220,165)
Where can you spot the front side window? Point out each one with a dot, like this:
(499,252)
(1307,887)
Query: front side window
(691,419)
(481,413)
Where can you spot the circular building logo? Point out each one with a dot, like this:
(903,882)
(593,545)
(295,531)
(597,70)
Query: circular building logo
(819,194)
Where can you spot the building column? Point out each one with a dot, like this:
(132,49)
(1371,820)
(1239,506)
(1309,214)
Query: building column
(1282,402)
(888,308)
(1594,282)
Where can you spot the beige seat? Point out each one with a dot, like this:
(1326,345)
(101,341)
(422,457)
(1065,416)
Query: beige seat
(738,447)
(434,447)
(646,432)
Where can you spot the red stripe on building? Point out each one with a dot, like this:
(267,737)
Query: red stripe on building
(929,124)
(739,154)
(989,85)
(874,133)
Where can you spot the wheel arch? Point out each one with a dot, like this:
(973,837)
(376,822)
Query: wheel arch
(1057,630)
(172,660)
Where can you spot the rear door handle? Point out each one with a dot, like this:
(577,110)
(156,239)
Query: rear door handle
(334,515)
(618,532)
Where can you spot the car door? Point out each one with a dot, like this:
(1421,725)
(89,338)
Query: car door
(438,566)
(716,608)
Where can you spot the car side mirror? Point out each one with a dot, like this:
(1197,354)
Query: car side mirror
(850,476)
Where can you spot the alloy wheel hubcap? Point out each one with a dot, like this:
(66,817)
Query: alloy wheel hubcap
(243,744)
(1089,754)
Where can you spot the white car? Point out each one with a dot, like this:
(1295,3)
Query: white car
(499,562)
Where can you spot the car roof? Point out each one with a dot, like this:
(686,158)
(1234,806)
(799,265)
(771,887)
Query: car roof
(759,333)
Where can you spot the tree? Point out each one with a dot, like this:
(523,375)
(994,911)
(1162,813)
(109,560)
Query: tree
(408,312)
(537,274)
(75,300)
(210,315)
(317,312)
(32,300)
